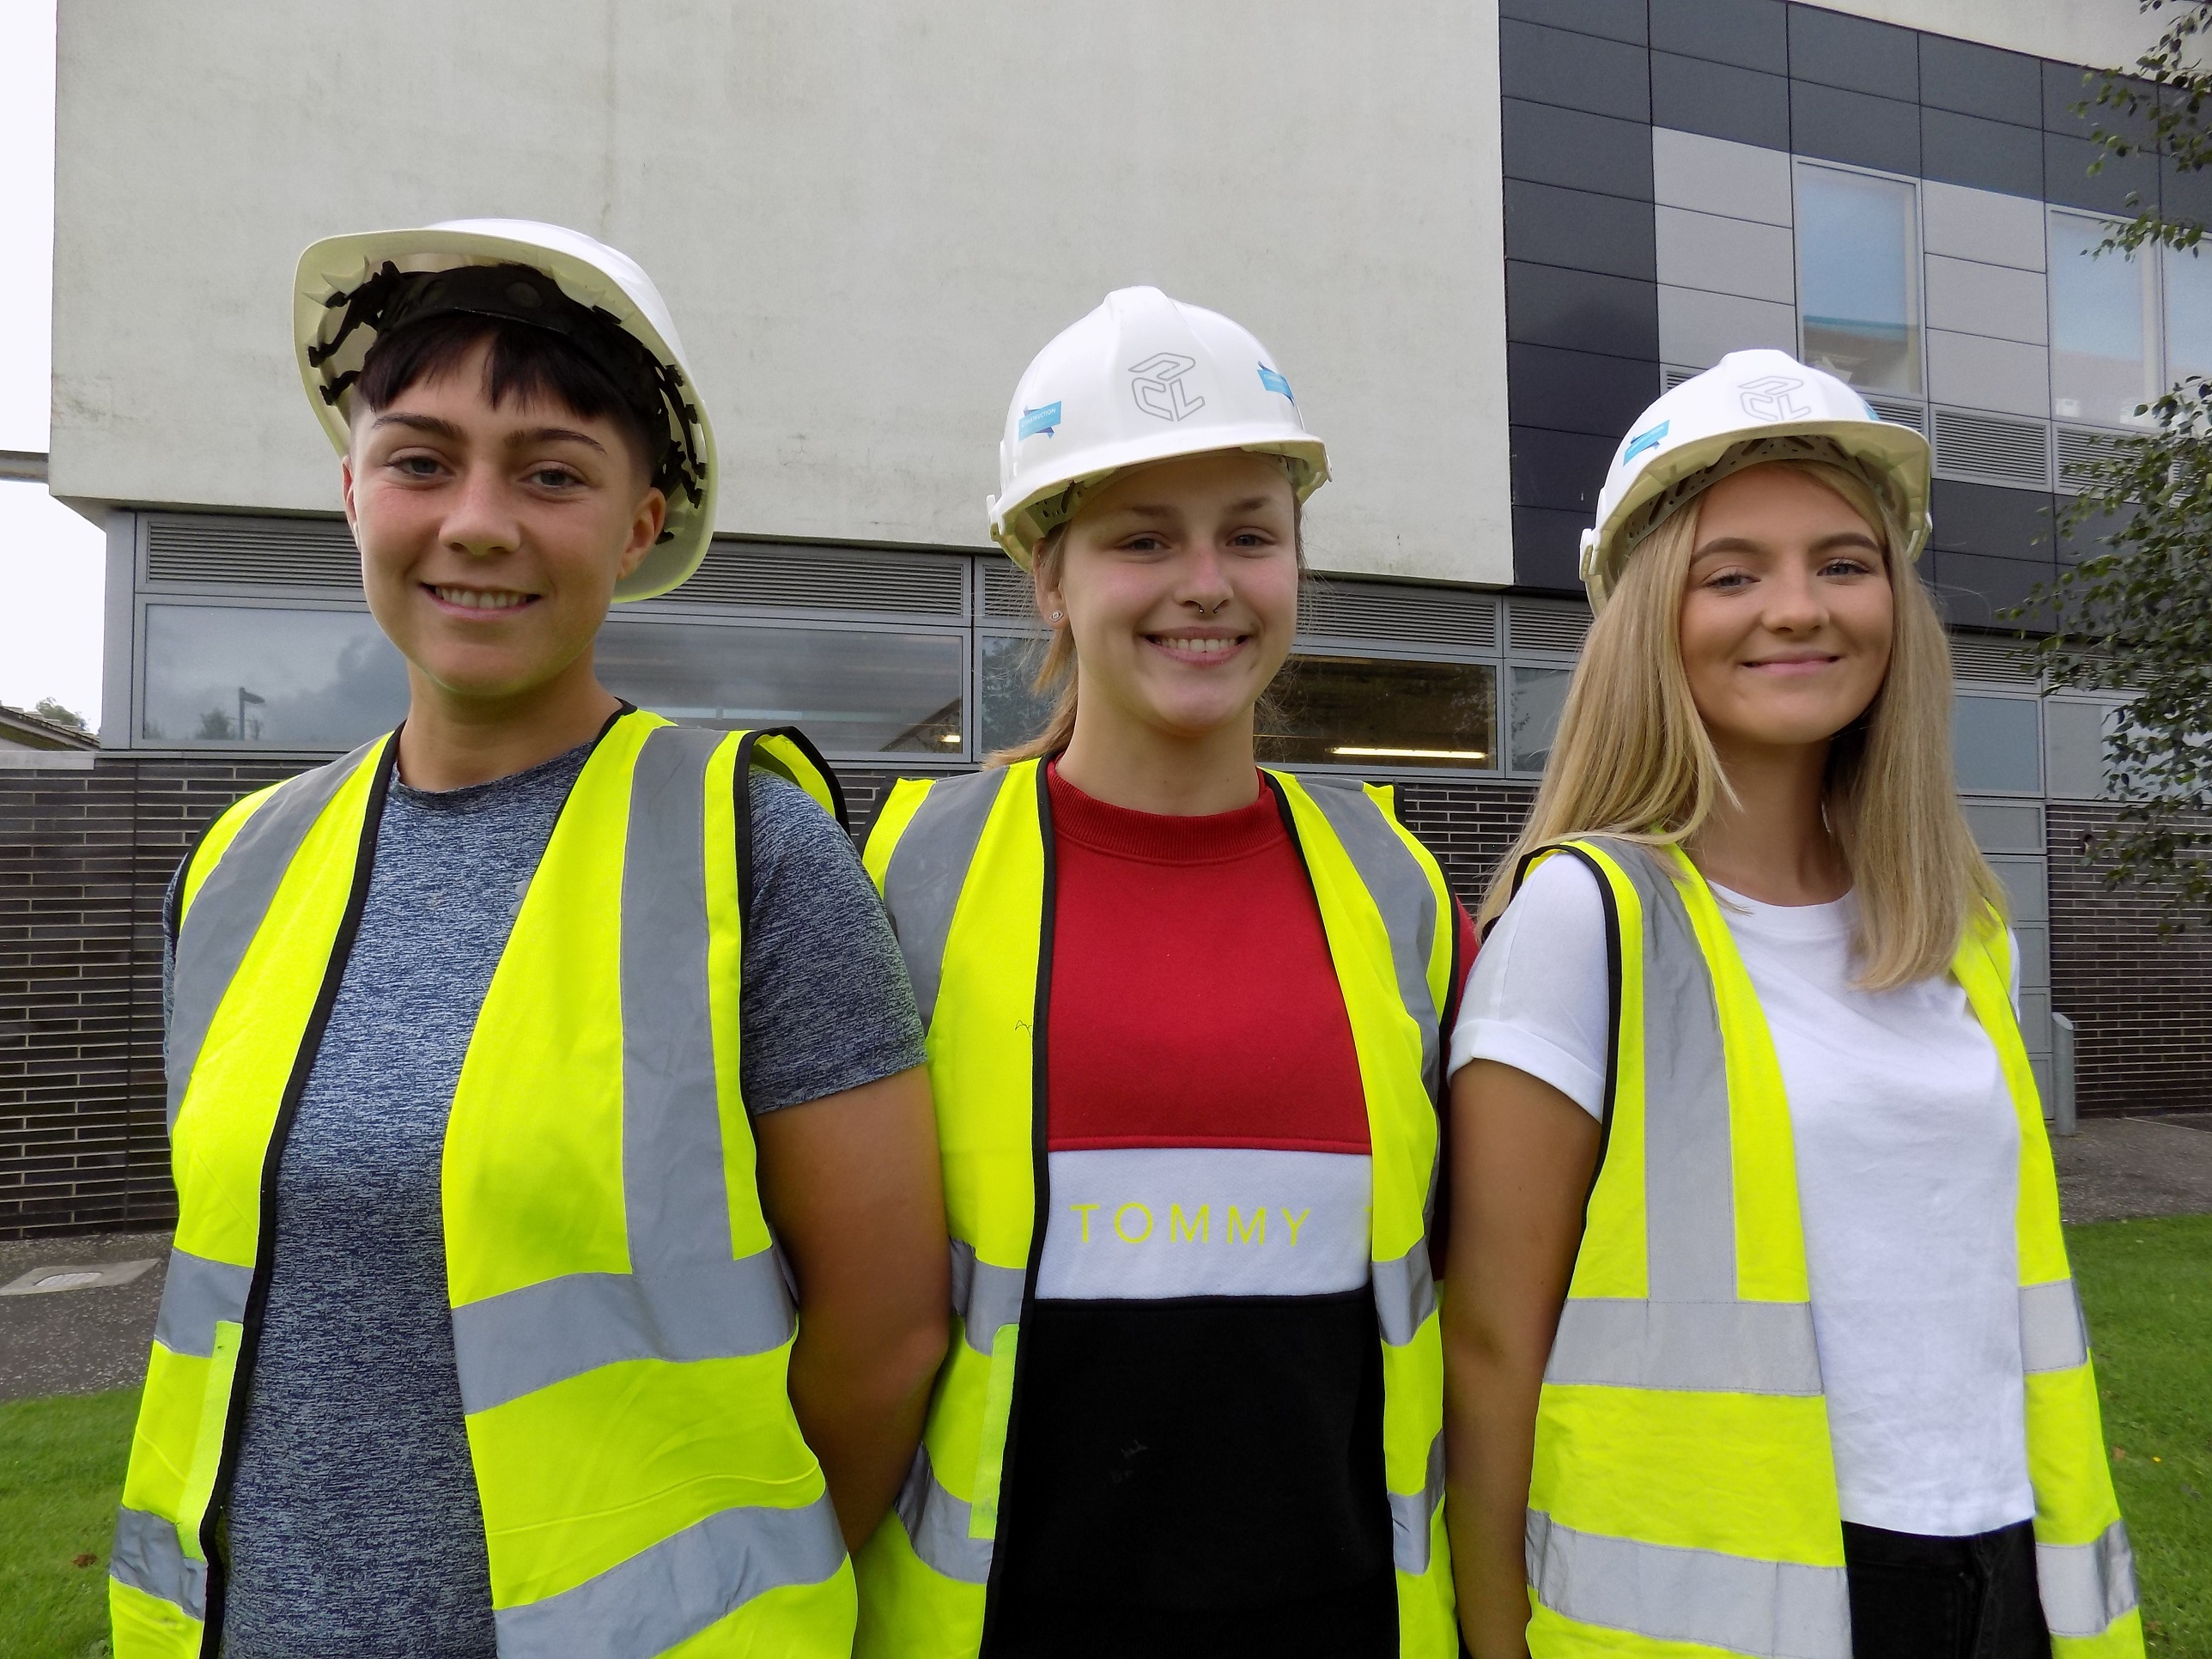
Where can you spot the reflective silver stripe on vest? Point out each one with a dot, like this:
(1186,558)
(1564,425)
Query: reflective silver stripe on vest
(1724,1347)
(2052,1337)
(1404,1294)
(1400,889)
(2086,1586)
(1411,1514)
(985,1296)
(148,1558)
(936,1524)
(198,1294)
(677,1588)
(684,1298)
(227,910)
(1771,1609)
(927,869)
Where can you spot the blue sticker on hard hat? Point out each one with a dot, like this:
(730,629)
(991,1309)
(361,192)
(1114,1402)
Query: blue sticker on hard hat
(1274,382)
(1034,421)
(1642,441)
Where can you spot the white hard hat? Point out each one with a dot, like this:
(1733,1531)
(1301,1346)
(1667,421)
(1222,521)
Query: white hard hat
(348,287)
(1742,412)
(1140,379)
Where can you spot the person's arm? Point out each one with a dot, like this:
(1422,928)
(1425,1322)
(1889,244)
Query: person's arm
(1522,1156)
(850,1183)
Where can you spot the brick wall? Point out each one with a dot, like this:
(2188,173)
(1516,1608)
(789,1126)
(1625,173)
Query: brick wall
(2142,1005)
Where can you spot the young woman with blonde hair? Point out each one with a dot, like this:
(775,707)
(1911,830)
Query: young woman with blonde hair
(1761,1338)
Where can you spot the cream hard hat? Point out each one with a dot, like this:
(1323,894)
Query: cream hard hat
(349,287)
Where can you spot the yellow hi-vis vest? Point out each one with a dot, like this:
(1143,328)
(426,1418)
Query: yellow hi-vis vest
(1684,1497)
(620,1321)
(965,866)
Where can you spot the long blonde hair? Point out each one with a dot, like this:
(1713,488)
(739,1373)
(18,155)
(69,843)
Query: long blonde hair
(1632,759)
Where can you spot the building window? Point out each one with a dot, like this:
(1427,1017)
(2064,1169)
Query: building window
(2188,313)
(1381,713)
(851,690)
(1013,710)
(1858,281)
(1997,744)
(2103,352)
(273,677)
(1539,697)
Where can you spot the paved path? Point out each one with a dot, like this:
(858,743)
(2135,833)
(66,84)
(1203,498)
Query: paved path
(82,1341)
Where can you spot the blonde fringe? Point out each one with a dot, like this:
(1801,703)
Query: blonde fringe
(1633,760)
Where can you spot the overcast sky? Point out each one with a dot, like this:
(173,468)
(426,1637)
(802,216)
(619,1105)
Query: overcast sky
(51,560)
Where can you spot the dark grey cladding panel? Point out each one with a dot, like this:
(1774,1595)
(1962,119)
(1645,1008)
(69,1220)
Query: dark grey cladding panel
(1977,80)
(1837,50)
(1563,470)
(1854,127)
(1967,149)
(1577,71)
(1570,147)
(2184,196)
(2067,179)
(1547,548)
(1750,34)
(1577,391)
(1546,225)
(1975,592)
(1720,100)
(1581,310)
(1992,520)
(2065,85)
(1616,20)
(2089,537)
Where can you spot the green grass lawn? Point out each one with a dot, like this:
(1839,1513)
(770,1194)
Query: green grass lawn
(2146,1285)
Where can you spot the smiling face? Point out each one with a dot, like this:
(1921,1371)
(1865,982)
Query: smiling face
(1787,619)
(492,536)
(1179,582)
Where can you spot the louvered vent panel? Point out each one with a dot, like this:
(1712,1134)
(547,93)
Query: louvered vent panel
(1898,412)
(208,547)
(2080,449)
(1670,377)
(782,575)
(1401,616)
(1991,661)
(1532,625)
(1984,447)
(1008,594)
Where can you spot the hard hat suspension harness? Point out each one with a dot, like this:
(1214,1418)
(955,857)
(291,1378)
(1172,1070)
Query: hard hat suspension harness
(653,390)
(1757,451)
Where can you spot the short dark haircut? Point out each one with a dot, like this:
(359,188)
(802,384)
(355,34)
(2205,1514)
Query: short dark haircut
(530,365)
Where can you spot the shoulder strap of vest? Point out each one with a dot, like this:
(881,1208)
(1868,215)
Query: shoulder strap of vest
(782,751)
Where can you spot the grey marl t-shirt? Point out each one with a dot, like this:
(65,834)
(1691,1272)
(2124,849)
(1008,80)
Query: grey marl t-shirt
(353,1525)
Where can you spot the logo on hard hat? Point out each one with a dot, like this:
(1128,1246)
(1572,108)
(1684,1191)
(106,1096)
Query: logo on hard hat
(1158,388)
(1767,399)
(1034,420)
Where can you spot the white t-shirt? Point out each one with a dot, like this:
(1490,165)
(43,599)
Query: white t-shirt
(1907,1169)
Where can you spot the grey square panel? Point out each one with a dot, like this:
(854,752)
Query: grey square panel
(1974,591)
(1854,127)
(1547,548)
(1577,391)
(1973,298)
(1990,519)
(2035,1018)
(1979,80)
(2034,954)
(1975,371)
(1981,224)
(2065,85)
(1754,34)
(2185,197)
(2005,826)
(1720,100)
(1712,175)
(1966,149)
(1559,470)
(2067,179)
(2024,881)
(1726,256)
(1608,77)
(2090,537)
(1576,228)
(1838,49)
(1617,20)
(1550,145)
(1581,310)
(2073,749)
(1698,329)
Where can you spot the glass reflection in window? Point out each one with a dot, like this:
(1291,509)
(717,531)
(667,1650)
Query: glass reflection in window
(2101,318)
(1858,263)
(1998,744)
(851,692)
(270,678)
(2188,313)
(1381,712)
(1539,696)
(1013,710)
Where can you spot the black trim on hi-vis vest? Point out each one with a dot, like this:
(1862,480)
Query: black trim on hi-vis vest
(741,802)
(1041,1215)
(1612,972)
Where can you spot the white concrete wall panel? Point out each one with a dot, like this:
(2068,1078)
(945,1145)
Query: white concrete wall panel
(1975,371)
(1726,256)
(1982,224)
(1698,329)
(2111,32)
(1979,299)
(1713,175)
(866,219)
